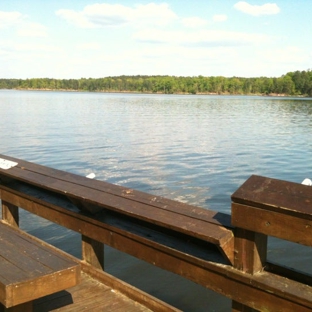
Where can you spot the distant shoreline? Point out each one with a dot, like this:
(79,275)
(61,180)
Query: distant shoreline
(297,83)
(159,93)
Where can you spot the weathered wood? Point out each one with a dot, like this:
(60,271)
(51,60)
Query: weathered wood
(285,197)
(220,278)
(92,252)
(127,290)
(250,251)
(296,229)
(30,268)
(10,214)
(93,295)
(190,220)
(264,206)
(155,230)
(120,191)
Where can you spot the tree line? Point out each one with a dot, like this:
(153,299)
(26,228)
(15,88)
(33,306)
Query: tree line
(293,83)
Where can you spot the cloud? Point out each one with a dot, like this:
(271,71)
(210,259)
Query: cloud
(219,18)
(194,22)
(89,46)
(7,19)
(114,15)
(257,10)
(32,30)
(288,55)
(203,38)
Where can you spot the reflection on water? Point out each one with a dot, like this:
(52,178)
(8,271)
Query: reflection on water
(195,149)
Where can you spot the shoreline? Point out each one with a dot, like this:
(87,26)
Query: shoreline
(162,93)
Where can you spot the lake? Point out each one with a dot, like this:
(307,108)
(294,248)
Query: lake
(196,149)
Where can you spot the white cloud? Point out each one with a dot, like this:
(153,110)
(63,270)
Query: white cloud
(32,30)
(203,38)
(219,18)
(7,19)
(257,10)
(89,46)
(75,18)
(112,15)
(289,54)
(194,22)
(15,47)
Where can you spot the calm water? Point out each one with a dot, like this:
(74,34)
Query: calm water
(194,149)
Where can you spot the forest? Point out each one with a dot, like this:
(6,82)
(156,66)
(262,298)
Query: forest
(297,83)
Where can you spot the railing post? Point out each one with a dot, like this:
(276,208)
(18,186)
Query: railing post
(10,214)
(250,247)
(250,250)
(92,252)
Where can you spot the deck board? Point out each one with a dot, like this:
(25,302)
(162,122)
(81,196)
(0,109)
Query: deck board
(89,295)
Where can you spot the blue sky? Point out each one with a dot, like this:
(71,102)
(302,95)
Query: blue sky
(82,38)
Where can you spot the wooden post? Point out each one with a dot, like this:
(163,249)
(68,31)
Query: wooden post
(10,214)
(250,250)
(93,252)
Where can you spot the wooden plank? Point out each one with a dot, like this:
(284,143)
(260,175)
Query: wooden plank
(152,200)
(276,195)
(85,225)
(91,294)
(18,244)
(195,227)
(280,225)
(199,223)
(129,291)
(212,233)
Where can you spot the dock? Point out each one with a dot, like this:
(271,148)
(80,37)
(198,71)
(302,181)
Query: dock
(225,253)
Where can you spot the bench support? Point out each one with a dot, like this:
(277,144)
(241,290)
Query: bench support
(92,252)
(10,214)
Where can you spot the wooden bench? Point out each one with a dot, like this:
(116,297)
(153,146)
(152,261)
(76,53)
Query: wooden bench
(93,196)
(30,269)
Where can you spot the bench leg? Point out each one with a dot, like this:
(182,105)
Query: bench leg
(24,307)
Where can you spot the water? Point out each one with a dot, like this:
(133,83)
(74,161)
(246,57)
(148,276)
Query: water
(194,149)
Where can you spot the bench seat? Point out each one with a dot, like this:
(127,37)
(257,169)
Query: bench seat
(30,269)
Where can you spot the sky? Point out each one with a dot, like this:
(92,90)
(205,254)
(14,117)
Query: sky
(66,39)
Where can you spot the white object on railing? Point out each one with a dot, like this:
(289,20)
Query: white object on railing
(7,164)
(306,182)
(91,175)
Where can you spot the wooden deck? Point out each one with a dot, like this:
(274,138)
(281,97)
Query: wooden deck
(89,295)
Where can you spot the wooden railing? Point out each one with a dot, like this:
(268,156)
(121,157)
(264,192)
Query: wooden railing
(207,247)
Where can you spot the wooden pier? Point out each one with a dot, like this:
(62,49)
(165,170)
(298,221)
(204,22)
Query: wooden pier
(221,252)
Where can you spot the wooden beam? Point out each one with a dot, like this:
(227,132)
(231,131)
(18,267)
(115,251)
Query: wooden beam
(292,228)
